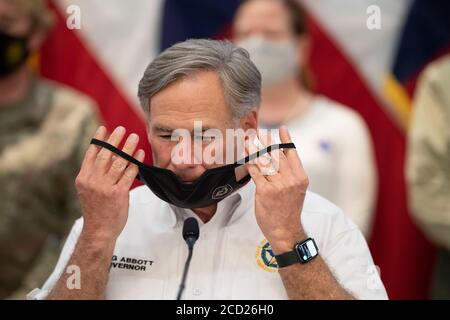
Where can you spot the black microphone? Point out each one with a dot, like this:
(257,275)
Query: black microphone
(191,233)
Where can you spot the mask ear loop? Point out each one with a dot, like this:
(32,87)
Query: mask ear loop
(253,156)
(244,160)
(266,150)
(113,149)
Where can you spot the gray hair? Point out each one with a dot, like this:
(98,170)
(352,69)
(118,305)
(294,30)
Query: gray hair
(240,78)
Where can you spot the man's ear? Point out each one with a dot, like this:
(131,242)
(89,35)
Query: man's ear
(148,130)
(250,120)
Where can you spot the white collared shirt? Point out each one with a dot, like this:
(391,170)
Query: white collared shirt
(231,259)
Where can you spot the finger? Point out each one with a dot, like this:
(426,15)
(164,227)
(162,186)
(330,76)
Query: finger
(264,161)
(269,172)
(291,154)
(265,137)
(256,174)
(131,171)
(103,160)
(279,161)
(119,165)
(92,151)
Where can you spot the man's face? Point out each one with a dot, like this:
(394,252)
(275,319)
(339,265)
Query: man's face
(198,97)
(264,18)
(12,21)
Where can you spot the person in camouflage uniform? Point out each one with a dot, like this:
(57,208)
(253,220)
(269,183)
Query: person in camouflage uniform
(45,129)
(428,166)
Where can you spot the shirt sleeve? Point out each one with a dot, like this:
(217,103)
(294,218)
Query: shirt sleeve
(356,174)
(343,248)
(428,155)
(351,263)
(66,253)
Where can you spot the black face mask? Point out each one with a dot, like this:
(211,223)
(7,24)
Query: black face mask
(13,53)
(212,186)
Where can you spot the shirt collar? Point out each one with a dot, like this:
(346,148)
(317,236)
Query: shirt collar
(237,203)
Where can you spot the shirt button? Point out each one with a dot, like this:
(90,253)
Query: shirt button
(197,292)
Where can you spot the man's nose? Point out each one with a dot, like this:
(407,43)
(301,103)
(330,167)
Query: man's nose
(190,156)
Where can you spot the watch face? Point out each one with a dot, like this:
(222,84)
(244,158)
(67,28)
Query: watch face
(307,250)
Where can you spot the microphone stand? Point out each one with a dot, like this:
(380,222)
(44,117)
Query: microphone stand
(190,234)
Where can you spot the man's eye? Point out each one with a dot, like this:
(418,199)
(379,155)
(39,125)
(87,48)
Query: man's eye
(166,136)
(205,138)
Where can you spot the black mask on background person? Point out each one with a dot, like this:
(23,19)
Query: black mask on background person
(212,186)
(14,53)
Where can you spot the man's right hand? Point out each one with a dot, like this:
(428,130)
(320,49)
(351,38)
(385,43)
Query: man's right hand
(103,186)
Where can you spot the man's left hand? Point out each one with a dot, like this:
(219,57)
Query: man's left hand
(279,197)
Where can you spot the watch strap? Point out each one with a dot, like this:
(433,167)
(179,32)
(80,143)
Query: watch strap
(287,258)
(303,252)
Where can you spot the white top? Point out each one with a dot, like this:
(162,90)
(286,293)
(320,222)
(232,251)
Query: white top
(230,258)
(336,151)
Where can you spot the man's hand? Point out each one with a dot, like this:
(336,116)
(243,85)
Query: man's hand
(278,205)
(103,186)
(279,197)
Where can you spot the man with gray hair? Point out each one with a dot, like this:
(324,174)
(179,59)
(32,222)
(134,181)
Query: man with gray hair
(262,235)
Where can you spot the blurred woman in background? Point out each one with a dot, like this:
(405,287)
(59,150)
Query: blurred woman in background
(333,140)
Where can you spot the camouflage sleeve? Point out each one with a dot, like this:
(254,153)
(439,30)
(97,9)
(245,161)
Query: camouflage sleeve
(88,121)
(87,131)
(428,159)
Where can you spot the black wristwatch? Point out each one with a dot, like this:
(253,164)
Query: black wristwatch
(303,252)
